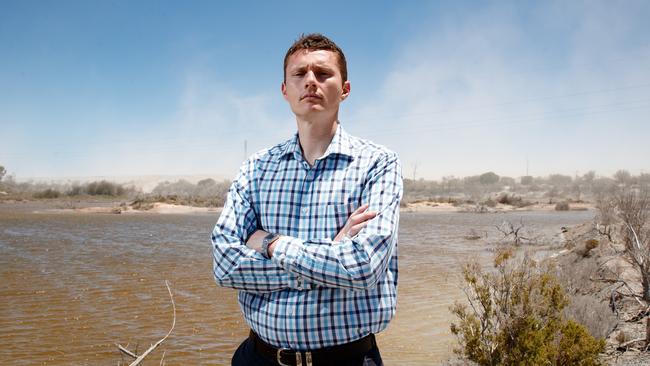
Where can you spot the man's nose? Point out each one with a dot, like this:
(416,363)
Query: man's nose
(310,78)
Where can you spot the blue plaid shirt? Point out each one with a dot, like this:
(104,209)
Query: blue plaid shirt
(313,292)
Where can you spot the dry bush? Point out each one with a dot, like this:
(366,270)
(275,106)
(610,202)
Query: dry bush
(489,203)
(516,234)
(593,314)
(512,200)
(633,209)
(48,193)
(576,272)
(588,246)
(562,206)
(515,317)
(606,216)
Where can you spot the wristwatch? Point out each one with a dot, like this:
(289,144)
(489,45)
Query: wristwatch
(266,242)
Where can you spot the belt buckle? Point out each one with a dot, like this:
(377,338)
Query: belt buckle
(278,357)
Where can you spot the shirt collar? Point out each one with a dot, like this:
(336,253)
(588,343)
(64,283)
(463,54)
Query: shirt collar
(340,145)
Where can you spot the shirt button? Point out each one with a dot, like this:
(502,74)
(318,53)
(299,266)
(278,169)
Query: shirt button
(305,210)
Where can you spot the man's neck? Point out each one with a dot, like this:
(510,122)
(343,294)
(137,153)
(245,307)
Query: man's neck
(315,137)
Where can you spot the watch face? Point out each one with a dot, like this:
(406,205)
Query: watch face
(265,244)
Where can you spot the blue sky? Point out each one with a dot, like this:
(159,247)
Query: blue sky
(124,88)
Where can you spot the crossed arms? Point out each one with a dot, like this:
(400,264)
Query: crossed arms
(355,259)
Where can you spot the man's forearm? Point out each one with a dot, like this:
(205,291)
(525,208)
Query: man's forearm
(239,267)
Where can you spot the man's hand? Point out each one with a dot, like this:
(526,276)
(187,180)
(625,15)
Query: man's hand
(357,221)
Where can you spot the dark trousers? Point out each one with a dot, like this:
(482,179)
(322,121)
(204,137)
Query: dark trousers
(247,356)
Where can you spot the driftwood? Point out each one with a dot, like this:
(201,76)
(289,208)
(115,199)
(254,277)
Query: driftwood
(508,229)
(626,344)
(139,359)
(126,351)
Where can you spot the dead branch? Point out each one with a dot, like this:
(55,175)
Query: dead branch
(623,283)
(139,359)
(126,351)
(508,229)
(624,345)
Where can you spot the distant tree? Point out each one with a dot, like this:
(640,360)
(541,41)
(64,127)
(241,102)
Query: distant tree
(3,171)
(633,208)
(623,177)
(526,180)
(450,184)
(488,178)
(576,188)
(507,181)
(206,182)
(104,188)
(559,180)
(471,180)
(644,179)
(552,194)
(589,177)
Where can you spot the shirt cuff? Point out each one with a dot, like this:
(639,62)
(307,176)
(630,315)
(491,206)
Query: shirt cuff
(285,252)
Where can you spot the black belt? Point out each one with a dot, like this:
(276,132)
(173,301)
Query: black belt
(323,356)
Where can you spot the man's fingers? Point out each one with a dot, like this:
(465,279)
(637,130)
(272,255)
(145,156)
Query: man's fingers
(360,209)
(354,230)
(365,216)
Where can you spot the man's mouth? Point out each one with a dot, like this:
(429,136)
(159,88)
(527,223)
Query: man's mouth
(311,95)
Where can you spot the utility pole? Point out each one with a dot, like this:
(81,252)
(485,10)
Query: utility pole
(415,169)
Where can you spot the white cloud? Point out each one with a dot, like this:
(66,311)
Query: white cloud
(482,94)
(206,135)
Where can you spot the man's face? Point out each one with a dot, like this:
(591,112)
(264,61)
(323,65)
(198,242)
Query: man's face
(313,85)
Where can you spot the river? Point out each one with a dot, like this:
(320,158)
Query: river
(72,285)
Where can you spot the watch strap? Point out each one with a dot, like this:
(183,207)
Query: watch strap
(266,242)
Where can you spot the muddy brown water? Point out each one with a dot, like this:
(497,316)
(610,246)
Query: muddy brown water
(73,285)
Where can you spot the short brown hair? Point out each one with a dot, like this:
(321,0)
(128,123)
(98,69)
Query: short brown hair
(313,42)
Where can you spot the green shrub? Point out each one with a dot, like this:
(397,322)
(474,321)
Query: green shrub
(515,318)
(48,193)
(562,206)
(589,246)
(104,188)
(489,203)
(512,200)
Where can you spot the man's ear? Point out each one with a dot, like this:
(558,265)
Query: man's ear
(346,90)
(283,88)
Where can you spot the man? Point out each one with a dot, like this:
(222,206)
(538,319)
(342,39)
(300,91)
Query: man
(308,234)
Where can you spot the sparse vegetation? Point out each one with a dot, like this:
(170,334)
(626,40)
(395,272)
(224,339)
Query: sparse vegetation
(47,193)
(205,193)
(633,207)
(515,317)
(562,206)
(487,188)
(588,247)
(516,234)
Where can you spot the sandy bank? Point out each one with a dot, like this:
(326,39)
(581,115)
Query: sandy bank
(167,208)
(431,206)
(158,208)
